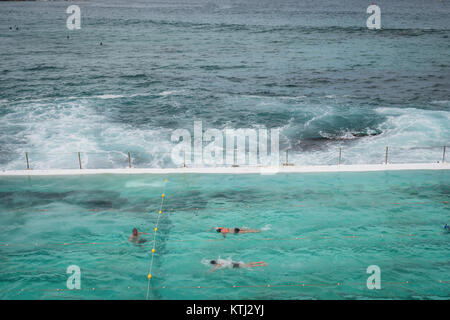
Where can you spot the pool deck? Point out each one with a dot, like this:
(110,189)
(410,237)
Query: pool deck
(234,170)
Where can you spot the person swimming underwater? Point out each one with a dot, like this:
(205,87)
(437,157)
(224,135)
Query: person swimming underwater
(446,227)
(218,264)
(224,231)
(135,236)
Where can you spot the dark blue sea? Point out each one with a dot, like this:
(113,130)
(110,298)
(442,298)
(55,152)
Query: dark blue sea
(309,68)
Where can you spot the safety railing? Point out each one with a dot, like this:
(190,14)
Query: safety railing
(288,157)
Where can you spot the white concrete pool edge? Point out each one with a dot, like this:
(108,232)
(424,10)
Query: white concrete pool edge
(234,170)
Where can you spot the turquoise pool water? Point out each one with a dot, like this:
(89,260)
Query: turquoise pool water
(323,229)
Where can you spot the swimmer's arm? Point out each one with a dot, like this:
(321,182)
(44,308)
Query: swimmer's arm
(215,268)
(143,233)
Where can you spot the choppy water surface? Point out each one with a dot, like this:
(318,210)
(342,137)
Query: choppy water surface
(310,68)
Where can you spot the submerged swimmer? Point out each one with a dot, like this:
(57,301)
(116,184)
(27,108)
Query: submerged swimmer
(135,236)
(224,231)
(220,264)
(446,227)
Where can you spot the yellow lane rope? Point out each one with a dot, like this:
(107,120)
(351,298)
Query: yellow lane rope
(149,274)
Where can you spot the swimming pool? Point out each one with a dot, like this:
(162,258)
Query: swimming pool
(320,233)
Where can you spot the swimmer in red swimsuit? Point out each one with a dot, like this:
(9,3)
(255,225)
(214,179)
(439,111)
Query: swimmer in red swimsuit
(224,231)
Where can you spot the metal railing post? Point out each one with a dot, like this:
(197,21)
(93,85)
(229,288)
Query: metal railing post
(387,151)
(340,154)
(79,160)
(184,159)
(443,155)
(129,160)
(234,159)
(287,160)
(28,163)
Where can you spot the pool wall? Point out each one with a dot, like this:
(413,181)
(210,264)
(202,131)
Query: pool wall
(235,170)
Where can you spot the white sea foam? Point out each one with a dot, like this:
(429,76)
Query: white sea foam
(404,131)
(110,96)
(171,92)
(440,102)
(54,131)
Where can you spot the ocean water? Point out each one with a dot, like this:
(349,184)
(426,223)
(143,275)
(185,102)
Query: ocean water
(320,232)
(309,68)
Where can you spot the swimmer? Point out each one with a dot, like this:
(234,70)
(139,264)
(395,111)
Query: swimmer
(235,265)
(135,236)
(446,227)
(224,231)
